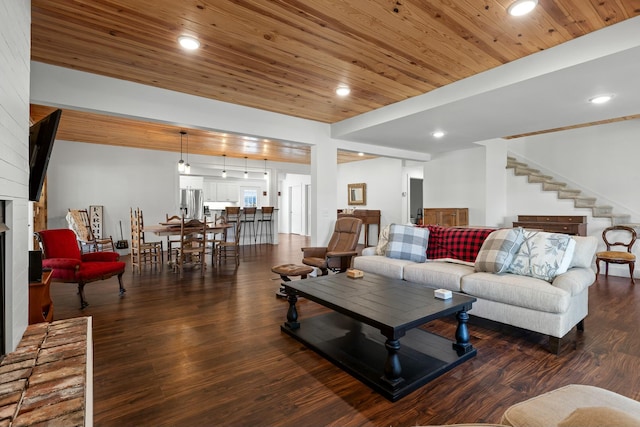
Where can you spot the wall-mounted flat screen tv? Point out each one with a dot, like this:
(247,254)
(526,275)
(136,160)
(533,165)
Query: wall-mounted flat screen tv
(41,137)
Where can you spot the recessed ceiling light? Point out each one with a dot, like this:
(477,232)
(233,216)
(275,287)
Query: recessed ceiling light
(343,90)
(188,42)
(438,134)
(600,99)
(521,7)
(361,154)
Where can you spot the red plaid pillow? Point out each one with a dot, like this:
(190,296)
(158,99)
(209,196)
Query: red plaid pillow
(453,242)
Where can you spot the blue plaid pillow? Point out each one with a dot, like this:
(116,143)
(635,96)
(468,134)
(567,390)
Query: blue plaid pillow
(406,242)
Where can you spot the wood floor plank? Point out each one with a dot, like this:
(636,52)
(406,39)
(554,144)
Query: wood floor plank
(209,351)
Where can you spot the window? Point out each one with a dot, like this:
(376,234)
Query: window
(250,197)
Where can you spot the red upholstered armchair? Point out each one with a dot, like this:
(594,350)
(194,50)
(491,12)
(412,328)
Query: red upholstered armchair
(336,256)
(62,254)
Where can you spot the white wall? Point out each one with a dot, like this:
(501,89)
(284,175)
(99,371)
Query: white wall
(385,179)
(603,160)
(120,178)
(15,19)
(457,180)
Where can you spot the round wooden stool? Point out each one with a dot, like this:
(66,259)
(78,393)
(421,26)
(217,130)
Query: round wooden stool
(286,271)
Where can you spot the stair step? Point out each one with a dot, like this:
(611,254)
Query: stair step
(553,185)
(513,164)
(522,171)
(602,210)
(617,219)
(568,193)
(537,177)
(584,202)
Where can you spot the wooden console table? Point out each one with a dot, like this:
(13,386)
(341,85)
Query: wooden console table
(368,216)
(40,303)
(567,224)
(446,217)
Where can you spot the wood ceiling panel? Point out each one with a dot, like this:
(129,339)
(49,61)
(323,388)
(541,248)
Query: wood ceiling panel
(94,128)
(288,56)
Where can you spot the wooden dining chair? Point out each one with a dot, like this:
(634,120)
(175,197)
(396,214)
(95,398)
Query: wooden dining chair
(142,253)
(172,244)
(156,247)
(231,248)
(193,245)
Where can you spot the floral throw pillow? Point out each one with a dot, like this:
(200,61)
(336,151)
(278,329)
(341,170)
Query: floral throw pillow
(541,255)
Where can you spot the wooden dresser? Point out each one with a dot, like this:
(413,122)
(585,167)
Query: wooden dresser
(446,217)
(575,225)
(368,216)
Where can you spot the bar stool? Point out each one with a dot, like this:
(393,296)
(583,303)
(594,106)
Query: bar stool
(248,223)
(266,219)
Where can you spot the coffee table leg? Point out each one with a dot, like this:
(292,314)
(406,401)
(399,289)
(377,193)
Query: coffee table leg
(392,368)
(292,312)
(462,344)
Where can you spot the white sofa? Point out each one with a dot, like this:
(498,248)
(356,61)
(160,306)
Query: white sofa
(526,302)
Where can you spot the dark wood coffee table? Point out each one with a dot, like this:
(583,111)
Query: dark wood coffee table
(370,317)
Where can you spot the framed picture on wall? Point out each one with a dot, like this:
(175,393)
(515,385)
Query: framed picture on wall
(357,194)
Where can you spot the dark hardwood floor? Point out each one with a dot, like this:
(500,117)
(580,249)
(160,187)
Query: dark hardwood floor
(196,352)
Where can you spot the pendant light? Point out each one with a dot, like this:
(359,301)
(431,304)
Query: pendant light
(265,169)
(224,168)
(187,167)
(181,162)
(246,174)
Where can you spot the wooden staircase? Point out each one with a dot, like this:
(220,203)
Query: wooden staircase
(549,183)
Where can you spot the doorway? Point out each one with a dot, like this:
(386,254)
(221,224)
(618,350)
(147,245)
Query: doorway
(415,199)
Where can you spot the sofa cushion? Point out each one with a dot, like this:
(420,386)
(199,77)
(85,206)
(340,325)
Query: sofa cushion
(498,250)
(383,240)
(387,267)
(456,242)
(520,291)
(542,255)
(408,243)
(437,274)
(584,252)
(599,416)
(551,408)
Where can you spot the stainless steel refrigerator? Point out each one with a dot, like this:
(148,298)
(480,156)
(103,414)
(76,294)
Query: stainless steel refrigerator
(192,203)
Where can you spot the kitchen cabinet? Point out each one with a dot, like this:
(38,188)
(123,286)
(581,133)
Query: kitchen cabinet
(210,192)
(215,191)
(227,192)
(446,217)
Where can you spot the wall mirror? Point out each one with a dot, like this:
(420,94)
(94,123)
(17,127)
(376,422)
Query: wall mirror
(357,194)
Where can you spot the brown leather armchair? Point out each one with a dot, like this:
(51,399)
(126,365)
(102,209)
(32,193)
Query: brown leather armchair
(336,256)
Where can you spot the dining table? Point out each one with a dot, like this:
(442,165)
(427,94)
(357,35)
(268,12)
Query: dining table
(172,228)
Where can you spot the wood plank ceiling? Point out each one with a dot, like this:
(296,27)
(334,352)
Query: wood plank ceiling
(288,56)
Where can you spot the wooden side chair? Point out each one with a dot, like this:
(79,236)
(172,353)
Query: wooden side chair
(193,245)
(142,253)
(79,222)
(617,257)
(229,249)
